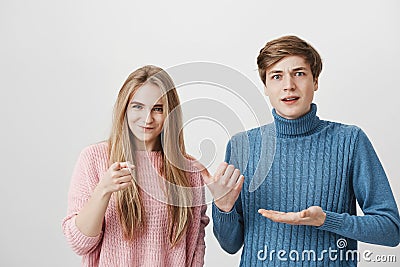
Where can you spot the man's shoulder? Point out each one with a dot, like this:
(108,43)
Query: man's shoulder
(254,132)
(258,133)
(342,128)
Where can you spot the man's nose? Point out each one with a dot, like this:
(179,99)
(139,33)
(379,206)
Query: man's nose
(288,83)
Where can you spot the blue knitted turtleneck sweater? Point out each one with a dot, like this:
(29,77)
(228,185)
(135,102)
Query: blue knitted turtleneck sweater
(316,163)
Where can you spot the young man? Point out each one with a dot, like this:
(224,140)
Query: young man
(302,210)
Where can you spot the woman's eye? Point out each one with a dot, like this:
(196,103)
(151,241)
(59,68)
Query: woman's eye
(138,107)
(158,109)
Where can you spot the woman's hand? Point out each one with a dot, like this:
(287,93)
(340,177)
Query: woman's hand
(90,219)
(225,185)
(116,178)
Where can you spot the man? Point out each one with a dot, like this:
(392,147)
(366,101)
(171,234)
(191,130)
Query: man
(301,210)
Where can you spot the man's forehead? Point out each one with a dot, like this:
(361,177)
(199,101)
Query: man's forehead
(290,63)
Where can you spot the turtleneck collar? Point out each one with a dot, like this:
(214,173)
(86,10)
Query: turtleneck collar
(305,125)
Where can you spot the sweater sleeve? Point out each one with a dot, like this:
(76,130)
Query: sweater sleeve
(80,190)
(380,223)
(228,226)
(198,259)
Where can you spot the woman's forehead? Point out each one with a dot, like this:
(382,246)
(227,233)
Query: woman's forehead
(148,94)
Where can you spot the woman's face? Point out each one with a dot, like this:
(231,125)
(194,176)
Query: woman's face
(145,113)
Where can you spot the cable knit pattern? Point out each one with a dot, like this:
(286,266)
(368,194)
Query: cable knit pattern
(151,247)
(316,163)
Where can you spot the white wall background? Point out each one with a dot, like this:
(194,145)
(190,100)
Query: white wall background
(62,63)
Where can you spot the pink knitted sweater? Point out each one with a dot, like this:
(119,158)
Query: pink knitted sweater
(152,247)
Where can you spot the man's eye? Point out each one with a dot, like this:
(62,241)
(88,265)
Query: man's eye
(276,77)
(299,73)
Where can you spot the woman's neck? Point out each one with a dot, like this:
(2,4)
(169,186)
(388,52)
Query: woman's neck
(147,146)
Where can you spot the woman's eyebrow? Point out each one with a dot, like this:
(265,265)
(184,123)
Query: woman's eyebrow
(136,102)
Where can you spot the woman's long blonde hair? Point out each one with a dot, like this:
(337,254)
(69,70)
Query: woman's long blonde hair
(129,205)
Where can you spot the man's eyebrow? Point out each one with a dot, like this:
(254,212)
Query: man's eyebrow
(274,72)
(292,70)
(299,68)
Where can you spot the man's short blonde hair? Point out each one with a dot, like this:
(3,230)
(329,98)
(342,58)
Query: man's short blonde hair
(285,46)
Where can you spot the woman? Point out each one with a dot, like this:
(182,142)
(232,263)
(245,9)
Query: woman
(137,200)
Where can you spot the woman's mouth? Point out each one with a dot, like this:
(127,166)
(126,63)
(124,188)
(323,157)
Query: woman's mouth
(146,129)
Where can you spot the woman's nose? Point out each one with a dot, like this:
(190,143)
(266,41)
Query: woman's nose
(148,118)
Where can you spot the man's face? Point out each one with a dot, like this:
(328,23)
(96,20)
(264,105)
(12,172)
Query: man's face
(290,87)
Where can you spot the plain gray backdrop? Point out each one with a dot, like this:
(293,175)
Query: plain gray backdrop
(63,62)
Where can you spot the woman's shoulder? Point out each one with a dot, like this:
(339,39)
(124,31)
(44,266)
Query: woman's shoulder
(95,153)
(193,171)
(95,149)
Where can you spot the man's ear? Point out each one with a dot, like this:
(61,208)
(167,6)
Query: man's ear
(266,90)
(315,84)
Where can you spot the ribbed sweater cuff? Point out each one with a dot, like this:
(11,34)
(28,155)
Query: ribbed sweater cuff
(223,216)
(80,240)
(332,222)
(198,260)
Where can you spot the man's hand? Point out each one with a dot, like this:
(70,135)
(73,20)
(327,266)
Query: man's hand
(314,216)
(225,185)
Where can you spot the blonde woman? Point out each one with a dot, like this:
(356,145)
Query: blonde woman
(137,200)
